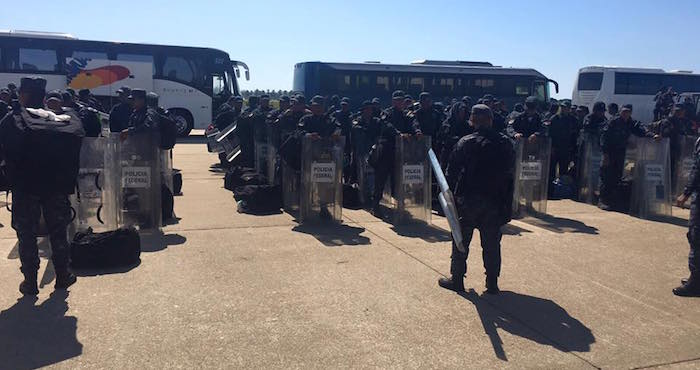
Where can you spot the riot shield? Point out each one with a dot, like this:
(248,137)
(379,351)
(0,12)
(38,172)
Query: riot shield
(411,198)
(136,180)
(265,153)
(684,164)
(531,176)
(166,172)
(321,180)
(651,189)
(447,202)
(365,179)
(589,175)
(230,144)
(212,145)
(290,187)
(94,208)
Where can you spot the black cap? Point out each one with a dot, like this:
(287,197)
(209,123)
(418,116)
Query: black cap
(408,97)
(345,100)
(299,98)
(424,95)
(32,84)
(566,103)
(627,107)
(136,94)
(54,94)
(599,106)
(376,101)
(487,97)
(284,98)
(11,86)
(238,98)
(482,109)
(152,95)
(67,97)
(317,100)
(124,90)
(366,104)
(5,91)
(467,99)
(84,92)
(398,94)
(264,96)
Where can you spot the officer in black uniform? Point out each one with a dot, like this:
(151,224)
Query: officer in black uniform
(85,97)
(674,127)
(142,119)
(120,113)
(365,133)
(499,121)
(480,170)
(455,127)
(529,123)
(4,102)
(594,123)
(287,124)
(613,142)
(229,113)
(13,91)
(613,111)
(691,287)
(377,107)
(518,109)
(426,120)
(563,131)
(394,123)
(317,124)
(42,154)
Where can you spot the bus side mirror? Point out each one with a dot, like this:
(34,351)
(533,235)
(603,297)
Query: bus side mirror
(247,75)
(556,85)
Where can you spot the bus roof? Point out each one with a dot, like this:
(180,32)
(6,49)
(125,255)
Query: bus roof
(630,69)
(16,34)
(429,68)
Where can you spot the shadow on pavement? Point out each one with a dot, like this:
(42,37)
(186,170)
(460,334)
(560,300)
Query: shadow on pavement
(537,319)
(429,233)
(35,336)
(334,235)
(559,224)
(512,230)
(107,271)
(157,241)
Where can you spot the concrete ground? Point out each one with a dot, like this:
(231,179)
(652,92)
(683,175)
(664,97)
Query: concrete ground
(582,289)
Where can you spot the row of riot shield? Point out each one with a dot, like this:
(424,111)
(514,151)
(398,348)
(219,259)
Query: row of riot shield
(265,157)
(531,178)
(119,183)
(227,142)
(647,163)
(684,164)
(591,156)
(409,191)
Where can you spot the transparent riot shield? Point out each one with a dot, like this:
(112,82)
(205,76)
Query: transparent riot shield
(290,187)
(684,164)
(589,175)
(531,176)
(94,208)
(136,180)
(321,179)
(447,202)
(166,172)
(411,198)
(212,145)
(651,189)
(365,179)
(230,144)
(265,153)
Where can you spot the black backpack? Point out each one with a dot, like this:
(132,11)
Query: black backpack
(258,199)
(111,249)
(168,130)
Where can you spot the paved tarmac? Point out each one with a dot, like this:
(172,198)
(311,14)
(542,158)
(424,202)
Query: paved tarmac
(582,289)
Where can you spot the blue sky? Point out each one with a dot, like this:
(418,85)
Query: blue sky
(553,37)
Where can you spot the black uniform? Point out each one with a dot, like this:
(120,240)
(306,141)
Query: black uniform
(428,123)
(480,170)
(287,124)
(4,109)
(452,130)
(692,189)
(562,129)
(613,142)
(499,122)
(527,124)
(42,159)
(394,122)
(143,120)
(119,117)
(674,128)
(593,124)
(322,125)
(365,133)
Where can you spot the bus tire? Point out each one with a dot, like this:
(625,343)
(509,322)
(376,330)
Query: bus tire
(183,121)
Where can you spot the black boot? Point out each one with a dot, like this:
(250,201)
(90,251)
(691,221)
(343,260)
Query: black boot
(690,289)
(64,279)
(455,283)
(492,285)
(29,285)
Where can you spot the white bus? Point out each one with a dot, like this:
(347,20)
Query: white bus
(191,82)
(636,86)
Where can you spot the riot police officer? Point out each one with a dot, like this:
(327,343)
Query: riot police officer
(287,124)
(455,127)
(4,102)
(691,287)
(42,153)
(674,127)
(499,121)
(394,123)
(120,113)
(426,120)
(481,169)
(365,133)
(613,142)
(529,123)
(317,124)
(562,130)
(594,123)
(142,119)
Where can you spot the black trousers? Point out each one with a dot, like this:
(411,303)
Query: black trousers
(610,175)
(26,212)
(561,158)
(694,236)
(491,250)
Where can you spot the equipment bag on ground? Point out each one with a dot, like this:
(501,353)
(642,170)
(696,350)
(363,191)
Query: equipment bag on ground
(118,248)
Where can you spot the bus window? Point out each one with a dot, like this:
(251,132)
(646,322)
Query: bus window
(344,82)
(38,60)
(540,90)
(399,83)
(522,89)
(218,84)
(637,83)
(416,84)
(447,86)
(88,55)
(178,68)
(484,83)
(363,82)
(590,81)
(138,58)
(383,83)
